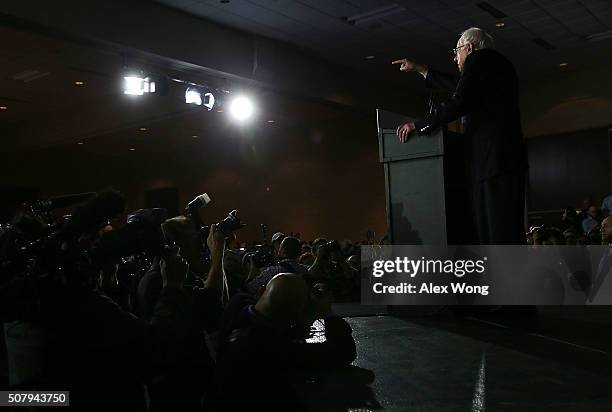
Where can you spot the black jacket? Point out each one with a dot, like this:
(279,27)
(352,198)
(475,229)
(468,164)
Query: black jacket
(258,363)
(486,96)
(100,348)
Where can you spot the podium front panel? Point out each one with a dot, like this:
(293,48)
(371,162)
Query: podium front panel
(416,202)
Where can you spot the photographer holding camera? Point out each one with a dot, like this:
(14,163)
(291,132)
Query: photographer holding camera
(79,339)
(263,353)
(331,267)
(288,253)
(208,272)
(184,381)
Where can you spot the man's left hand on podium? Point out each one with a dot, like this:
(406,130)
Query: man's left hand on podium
(404,131)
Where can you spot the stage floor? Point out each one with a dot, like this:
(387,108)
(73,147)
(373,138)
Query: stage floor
(450,364)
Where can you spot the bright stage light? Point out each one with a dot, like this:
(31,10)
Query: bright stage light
(209,101)
(137,86)
(193,96)
(241,108)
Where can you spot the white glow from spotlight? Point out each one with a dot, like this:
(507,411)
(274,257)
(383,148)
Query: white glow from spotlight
(137,86)
(209,101)
(193,97)
(241,108)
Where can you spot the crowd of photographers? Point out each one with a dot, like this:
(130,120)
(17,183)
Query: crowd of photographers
(577,226)
(169,314)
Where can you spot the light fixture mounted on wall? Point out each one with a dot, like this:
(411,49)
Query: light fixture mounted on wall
(199,97)
(139,83)
(137,86)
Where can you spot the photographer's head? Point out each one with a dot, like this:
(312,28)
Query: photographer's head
(173,268)
(593,211)
(182,231)
(277,238)
(284,299)
(289,248)
(232,264)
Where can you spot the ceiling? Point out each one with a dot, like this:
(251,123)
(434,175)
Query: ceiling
(538,35)
(45,107)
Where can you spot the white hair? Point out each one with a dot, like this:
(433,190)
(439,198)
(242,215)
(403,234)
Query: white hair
(478,37)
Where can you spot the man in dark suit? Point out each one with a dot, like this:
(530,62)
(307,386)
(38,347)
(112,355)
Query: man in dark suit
(600,290)
(485,97)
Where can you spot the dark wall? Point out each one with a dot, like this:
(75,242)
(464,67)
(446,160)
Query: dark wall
(13,197)
(566,168)
(322,180)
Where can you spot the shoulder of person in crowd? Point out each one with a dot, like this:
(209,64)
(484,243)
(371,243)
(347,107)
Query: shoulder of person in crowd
(293,263)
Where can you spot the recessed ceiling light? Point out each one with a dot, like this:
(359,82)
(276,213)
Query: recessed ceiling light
(195,136)
(370,57)
(270,121)
(79,83)
(564,64)
(500,24)
(143,129)
(80,143)
(132,149)
(3,107)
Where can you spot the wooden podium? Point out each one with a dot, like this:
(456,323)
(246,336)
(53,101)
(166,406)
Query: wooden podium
(426,184)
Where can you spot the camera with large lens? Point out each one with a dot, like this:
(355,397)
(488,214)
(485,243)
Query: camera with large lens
(230,223)
(331,246)
(262,255)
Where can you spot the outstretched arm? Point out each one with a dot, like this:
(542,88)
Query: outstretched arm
(411,66)
(468,95)
(440,80)
(216,244)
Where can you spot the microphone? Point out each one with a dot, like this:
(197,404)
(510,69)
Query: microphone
(59,202)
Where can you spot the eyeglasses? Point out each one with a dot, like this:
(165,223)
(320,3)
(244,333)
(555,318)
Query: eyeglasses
(454,51)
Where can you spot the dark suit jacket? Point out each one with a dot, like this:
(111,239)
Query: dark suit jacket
(486,95)
(602,271)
